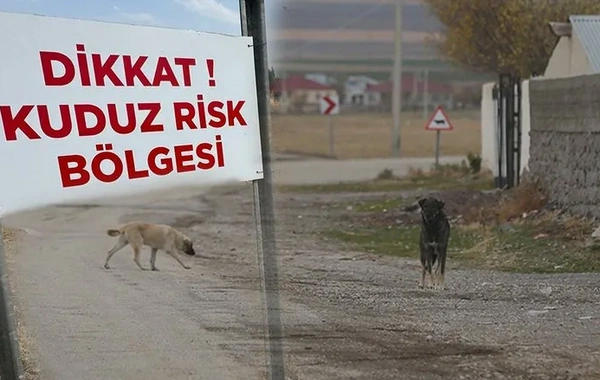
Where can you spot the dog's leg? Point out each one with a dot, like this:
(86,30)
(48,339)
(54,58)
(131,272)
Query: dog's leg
(432,278)
(429,266)
(438,275)
(137,242)
(423,257)
(153,259)
(118,245)
(442,267)
(136,256)
(174,255)
(423,272)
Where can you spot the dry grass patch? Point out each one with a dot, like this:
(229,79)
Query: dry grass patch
(10,238)
(547,245)
(369,135)
(525,198)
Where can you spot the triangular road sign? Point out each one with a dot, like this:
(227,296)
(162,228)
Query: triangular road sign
(439,121)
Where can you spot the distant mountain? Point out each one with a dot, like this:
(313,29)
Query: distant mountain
(347,29)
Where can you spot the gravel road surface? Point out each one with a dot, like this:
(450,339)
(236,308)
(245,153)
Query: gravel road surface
(347,314)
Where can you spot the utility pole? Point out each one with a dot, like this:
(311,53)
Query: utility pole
(397,82)
(425,93)
(285,100)
(415,95)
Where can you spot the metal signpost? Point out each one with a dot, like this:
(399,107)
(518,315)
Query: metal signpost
(252,13)
(330,105)
(397,82)
(438,122)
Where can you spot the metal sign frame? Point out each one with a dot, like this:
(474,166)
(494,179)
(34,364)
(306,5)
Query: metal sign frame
(252,15)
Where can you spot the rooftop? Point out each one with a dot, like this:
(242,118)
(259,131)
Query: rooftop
(297,82)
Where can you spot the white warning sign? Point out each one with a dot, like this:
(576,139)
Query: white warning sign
(439,121)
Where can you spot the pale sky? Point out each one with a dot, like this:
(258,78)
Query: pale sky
(220,16)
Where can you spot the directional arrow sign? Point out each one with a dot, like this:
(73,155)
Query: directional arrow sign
(439,121)
(330,105)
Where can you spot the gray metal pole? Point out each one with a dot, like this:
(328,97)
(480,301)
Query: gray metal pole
(331,137)
(416,78)
(437,149)
(284,93)
(10,356)
(425,93)
(252,14)
(397,78)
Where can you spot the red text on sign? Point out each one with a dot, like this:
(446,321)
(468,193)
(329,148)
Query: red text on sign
(76,117)
(215,114)
(210,65)
(59,69)
(75,170)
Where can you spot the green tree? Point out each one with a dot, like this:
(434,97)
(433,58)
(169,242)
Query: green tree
(503,36)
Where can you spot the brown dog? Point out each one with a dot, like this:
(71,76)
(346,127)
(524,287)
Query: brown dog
(156,236)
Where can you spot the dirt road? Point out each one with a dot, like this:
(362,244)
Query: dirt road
(90,323)
(347,315)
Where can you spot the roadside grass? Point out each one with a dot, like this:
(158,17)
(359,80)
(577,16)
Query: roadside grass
(527,246)
(382,205)
(513,233)
(30,369)
(448,177)
(397,241)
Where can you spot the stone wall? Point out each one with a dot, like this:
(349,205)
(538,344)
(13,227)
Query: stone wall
(565,141)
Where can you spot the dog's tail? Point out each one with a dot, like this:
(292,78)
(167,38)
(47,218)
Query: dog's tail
(113,232)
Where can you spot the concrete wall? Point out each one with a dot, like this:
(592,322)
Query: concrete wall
(565,141)
(489,131)
(489,158)
(525,124)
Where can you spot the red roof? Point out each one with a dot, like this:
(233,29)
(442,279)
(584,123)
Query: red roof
(297,82)
(407,86)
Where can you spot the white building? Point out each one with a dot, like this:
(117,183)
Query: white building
(355,91)
(323,79)
(577,51)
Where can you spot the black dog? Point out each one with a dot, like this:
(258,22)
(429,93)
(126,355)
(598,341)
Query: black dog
(433,240)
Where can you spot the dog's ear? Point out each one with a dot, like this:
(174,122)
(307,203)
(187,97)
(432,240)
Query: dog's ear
(422,202)
(185,241)
(441,204)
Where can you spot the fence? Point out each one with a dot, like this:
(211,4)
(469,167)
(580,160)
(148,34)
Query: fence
(489,129)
